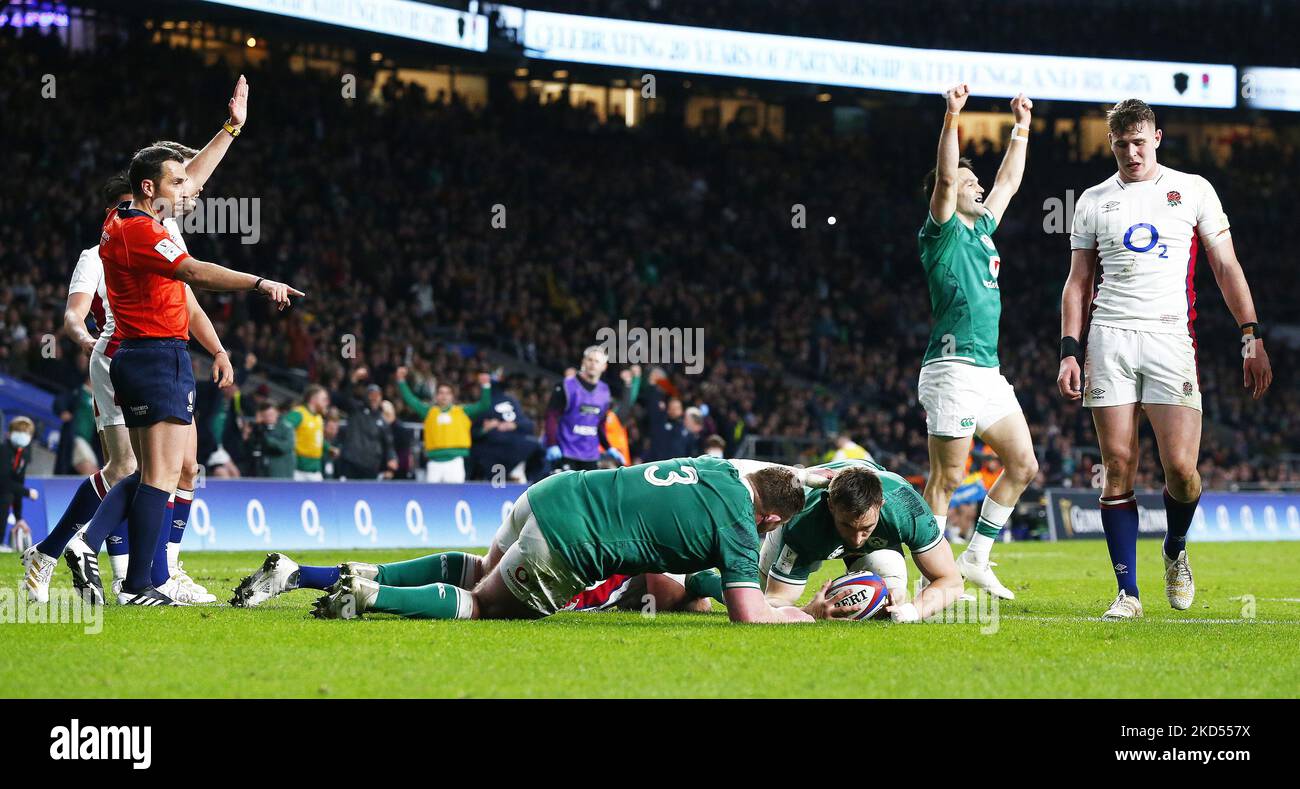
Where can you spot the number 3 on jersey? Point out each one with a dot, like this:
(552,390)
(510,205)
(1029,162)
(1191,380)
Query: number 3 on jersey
(689,476)
(1152,242)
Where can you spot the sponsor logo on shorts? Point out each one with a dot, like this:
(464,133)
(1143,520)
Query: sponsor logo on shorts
(138,410)
(1174,198)
(1098,392)
(1187,388)
(968,421)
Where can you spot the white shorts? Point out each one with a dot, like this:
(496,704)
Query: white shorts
(449,471)
(890,566)
(1123,366)
(961,399)
(538,577)
(308,476)
(107,412)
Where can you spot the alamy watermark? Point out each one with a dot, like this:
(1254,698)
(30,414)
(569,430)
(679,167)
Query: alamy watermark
(655,345)
(65,606)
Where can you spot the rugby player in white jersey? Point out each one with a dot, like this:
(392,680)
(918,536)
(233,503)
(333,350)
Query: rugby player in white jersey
(1134,243)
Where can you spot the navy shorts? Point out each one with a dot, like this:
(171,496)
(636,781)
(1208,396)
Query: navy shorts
(153,381)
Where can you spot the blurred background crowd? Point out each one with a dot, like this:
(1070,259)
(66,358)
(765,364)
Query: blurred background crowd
(382,209)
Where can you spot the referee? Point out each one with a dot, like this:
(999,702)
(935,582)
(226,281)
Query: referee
(145,274)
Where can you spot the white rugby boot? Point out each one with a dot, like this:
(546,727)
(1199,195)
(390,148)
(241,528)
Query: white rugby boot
(277,575)
(1179,586)
(980,573)
(1124,607)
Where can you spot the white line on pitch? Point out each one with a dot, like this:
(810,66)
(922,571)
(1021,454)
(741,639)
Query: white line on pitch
(1027,618)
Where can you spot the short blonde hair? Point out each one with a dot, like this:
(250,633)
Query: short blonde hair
(22,423)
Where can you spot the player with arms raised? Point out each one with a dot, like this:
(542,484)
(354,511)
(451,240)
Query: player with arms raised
(963,392)
(1133,244)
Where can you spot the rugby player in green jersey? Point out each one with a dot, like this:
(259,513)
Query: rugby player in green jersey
(961,388)
(577,528)
(865,517)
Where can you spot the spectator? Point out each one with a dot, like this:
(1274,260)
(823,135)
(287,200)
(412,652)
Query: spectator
(307,421)
(402,442)
(505,441)
(575,416)
(270,444)
(366,446)
(13,481)
(446,426)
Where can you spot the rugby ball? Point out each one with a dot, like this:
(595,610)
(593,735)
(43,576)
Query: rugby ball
(865,589)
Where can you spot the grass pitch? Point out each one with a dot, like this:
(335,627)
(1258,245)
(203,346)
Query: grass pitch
(1049,642)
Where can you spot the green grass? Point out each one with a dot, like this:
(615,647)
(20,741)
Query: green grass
(1047,643)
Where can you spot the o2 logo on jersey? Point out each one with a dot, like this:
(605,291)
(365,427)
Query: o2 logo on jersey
(1153,240)
(689,476)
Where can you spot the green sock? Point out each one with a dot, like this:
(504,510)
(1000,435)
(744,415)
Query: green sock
(705,584)
(434,601)
(453,568)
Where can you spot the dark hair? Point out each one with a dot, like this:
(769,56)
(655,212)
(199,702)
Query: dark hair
(113,189)
(1128,114)
(183,150)
(147,165)
(928,182)
(779,492)
(855,491)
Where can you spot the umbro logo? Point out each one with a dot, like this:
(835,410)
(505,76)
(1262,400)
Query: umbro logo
(1113,205)
(1121,569)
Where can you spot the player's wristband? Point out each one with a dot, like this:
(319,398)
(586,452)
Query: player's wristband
(232,129)
(1252,329)
(1070,347)
(950,119)
(258,284)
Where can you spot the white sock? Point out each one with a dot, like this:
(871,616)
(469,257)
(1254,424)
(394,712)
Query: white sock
(173,551)
(992,515)
(118,563)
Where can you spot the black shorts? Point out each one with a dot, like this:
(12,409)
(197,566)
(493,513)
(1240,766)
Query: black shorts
(153,381)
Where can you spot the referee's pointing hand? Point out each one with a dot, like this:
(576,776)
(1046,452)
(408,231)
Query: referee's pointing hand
(278,292)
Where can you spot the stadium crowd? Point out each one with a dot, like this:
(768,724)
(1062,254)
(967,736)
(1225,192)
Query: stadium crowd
(383,212)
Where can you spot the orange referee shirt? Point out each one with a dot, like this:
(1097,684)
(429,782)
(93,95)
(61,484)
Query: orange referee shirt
(139,260)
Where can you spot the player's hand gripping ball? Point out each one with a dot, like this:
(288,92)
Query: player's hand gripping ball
(863,588)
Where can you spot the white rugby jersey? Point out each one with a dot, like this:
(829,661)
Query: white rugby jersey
(1146,235)
(88,277)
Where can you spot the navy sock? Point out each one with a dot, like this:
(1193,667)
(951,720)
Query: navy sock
(317,577)
(119,542)
(1119,519)
(1179,516)
(144,522)
(112,511)
(79,512)
(181,514)
(161,572)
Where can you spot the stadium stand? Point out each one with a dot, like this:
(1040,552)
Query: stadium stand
(808,333)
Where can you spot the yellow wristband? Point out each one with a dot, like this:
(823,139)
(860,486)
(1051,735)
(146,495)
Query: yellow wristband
(950,119)
(231,129)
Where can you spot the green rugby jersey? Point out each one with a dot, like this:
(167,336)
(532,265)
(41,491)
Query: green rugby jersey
(961,270)
(674,516)
(811,538)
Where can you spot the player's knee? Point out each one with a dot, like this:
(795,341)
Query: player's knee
(1183,480)
(189,473)
(1118,465)
(1023,468)
(950,478)
(119,469)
